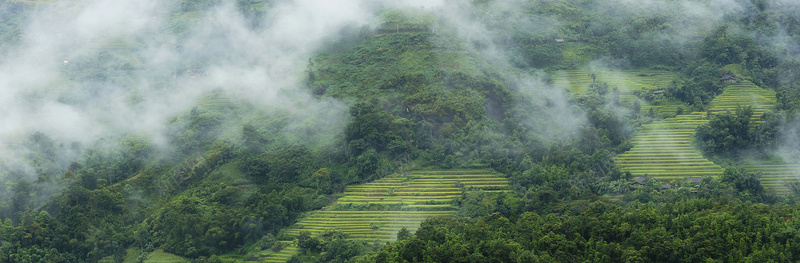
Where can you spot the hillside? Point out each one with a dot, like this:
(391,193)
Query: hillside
(399,131)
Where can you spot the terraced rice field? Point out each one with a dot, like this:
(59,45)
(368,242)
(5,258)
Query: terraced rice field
(664,150)
(627,81)
(776,177)
(10,141)
(744,93)
(214,101)
(284,255)
(406,200)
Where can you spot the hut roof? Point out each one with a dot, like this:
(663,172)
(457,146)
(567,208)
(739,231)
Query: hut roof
(641,180)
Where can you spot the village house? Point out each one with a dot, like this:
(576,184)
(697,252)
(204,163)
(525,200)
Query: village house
(728,79)
(640,181)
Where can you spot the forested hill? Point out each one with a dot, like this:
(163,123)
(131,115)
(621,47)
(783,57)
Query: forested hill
(518,130)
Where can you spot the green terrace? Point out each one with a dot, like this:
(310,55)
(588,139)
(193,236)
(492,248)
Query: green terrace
(214,101)
(376,211)
(289,250)
(664,149)
(10,140)
(743,93)
(666,107)
(776,177)
(627,81)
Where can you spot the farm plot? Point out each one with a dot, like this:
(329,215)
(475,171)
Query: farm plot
(376,211)
(215,100)
(776,177)
(744,93)
(627,81)
(11,140)
(664,150)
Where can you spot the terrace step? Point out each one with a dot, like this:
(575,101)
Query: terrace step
(409,200)
(663,149)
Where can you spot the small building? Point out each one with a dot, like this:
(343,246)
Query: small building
(559,40)
(665,186)
(658,92)
(640,181)
(694,191)
(694,180)
(728,79)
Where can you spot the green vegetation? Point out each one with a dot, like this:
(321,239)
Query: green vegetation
(375,212)
(779,178)
(138,255)
(530,149)
(694,230)
(628,82)
(664,150)
(743,94)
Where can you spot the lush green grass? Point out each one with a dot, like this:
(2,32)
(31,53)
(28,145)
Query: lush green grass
(377,210)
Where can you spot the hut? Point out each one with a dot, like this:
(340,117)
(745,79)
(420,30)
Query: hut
(560,40)
(665,186)
(640,181)
(728,79)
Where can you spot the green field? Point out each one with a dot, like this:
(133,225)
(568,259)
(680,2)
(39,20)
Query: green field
(376,211)
(664,150)
(744,93)
(12,140)
(775,177)
(627,81)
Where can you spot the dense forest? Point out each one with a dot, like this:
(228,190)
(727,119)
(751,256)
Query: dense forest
(205,131)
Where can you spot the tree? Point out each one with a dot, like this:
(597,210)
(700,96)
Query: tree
(403,234)
(726,133)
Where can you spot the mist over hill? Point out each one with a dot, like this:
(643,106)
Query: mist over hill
(204,130)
